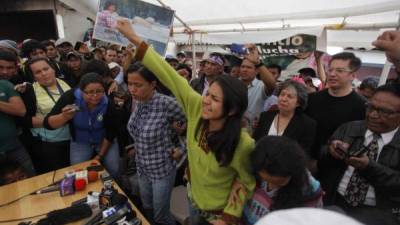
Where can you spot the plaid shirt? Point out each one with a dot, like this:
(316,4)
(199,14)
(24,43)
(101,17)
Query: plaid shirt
(150,127)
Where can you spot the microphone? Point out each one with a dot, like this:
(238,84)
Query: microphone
(67,186)
(66,215)
(117,201)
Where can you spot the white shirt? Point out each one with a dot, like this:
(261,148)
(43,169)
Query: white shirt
(206,86)
(272,100)
(272,129)
(382,141)
(256,97)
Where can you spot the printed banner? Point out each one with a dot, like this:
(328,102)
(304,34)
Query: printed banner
(152,23)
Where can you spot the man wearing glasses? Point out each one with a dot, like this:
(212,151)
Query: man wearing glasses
(364,157)
(337,104)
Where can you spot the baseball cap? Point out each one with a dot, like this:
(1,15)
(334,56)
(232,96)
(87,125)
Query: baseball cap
(9,44)
(170,58)
(306,216)
(216,59)
(62,41)
(112,65)
(70,54)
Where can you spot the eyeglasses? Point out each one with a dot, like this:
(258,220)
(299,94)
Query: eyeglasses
(381,112)
(94,92)
(339,70)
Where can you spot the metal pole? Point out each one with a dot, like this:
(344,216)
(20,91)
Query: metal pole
(194,64)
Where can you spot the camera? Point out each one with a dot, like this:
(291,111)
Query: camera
(75,107)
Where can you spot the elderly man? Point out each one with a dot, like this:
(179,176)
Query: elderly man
(364,161)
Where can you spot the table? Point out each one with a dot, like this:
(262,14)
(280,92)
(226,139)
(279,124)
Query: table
(39,204)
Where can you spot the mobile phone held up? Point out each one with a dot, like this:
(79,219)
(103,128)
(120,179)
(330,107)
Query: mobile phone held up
(239,49)
(75,107)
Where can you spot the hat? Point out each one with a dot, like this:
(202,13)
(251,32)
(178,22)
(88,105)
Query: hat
(181,53)
(12,45)
(306,216)
(216,59)
(112,65)
(170,58)
(70,54)
(62,41)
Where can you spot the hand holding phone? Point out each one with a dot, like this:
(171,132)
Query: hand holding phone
(74,107)
(338,149)
(359,152)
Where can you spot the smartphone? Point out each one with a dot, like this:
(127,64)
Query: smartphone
(239,49)
(359,152)
(74,107)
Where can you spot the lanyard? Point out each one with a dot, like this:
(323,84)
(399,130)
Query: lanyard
(60,90)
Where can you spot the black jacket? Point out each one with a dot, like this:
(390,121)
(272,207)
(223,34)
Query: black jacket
(198,84)
(301,128)
(383,174)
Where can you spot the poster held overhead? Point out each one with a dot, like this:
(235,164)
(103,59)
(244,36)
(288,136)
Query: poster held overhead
(152,23)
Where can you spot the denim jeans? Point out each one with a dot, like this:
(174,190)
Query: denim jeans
(80,152)
(194,214)
(156,197)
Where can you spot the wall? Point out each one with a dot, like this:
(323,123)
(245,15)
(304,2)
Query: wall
(75,24)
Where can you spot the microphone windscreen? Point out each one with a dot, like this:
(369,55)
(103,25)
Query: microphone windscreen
(66,215)
(80,184)
(93,176)
(118,199)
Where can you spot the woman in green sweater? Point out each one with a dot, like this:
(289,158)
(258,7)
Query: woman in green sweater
(218,149)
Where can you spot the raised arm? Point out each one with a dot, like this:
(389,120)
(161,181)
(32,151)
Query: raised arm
(266,77)
(184,94)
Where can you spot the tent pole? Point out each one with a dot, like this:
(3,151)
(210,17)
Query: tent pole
(194,64)
(388,65)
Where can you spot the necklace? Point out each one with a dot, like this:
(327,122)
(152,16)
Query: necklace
(277,124)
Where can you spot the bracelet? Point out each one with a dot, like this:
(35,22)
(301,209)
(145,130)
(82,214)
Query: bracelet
(259,64)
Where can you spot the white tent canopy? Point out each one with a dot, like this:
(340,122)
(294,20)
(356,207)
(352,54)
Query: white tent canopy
(224,21)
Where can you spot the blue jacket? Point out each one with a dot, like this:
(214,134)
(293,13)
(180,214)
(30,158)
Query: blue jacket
(89,125)
(104,119)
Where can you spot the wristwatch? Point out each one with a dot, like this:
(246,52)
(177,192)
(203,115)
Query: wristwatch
(260,64)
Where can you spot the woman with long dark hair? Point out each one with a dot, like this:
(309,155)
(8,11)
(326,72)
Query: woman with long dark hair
(218,150)
(283,181)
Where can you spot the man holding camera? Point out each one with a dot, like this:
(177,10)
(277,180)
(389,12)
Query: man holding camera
(364,158)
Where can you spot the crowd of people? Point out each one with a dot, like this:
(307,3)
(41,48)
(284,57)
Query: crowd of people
(253,142)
